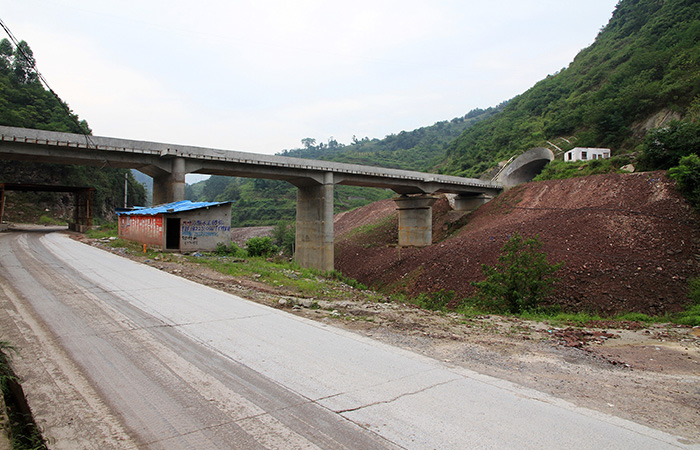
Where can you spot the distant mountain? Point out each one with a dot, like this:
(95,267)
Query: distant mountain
(643,68)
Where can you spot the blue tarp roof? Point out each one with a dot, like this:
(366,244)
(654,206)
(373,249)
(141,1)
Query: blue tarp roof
(169,208)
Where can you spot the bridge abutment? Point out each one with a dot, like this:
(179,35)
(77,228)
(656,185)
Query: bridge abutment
(415,220)
(314,225)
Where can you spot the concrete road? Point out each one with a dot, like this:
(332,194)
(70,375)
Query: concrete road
(178,365)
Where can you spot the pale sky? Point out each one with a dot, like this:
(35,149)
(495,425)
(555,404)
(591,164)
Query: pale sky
(260,75)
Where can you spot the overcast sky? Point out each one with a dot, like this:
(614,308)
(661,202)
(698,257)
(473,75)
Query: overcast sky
(260,75)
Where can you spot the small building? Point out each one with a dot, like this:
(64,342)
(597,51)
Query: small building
(181,226)
(586,154)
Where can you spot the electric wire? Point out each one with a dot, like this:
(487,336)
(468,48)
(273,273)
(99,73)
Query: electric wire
(32,64)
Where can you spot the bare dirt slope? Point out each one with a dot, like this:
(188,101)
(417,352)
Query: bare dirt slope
(629,242)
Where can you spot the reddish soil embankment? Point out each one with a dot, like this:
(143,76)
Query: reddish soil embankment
(629,242)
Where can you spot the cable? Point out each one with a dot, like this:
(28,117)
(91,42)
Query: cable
(32,64)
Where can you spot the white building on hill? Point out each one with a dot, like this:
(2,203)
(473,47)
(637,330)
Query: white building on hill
(586,154)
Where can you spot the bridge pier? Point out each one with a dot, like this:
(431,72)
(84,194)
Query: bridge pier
(170,186)
(314,225)
(469,203)
(415,220)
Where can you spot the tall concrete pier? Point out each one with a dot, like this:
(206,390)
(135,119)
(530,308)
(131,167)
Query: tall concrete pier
(314,226)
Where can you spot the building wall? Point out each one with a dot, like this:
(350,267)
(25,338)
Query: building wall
(586,154)
(144,229)
(202,229)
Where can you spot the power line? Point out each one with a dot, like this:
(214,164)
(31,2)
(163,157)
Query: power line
(32,64)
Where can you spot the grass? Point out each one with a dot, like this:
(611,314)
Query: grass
(103,231)
(289,276)
(558,169)
(46,220)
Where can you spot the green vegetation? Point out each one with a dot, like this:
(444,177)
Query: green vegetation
(420,149)
(105,230)
(435,301)
(558,169)
(687,175)
(287,276)
(647,59)
(284,237)
(691,316)
(261,246)
(521,279)
(46,220)
(663,148)
(231,250)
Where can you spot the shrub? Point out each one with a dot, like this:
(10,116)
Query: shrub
(229,250)
(694,290)
(521,279)
(261,246)
(691,316)
(687,175)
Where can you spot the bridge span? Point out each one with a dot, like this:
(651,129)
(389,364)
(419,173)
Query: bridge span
(169,163)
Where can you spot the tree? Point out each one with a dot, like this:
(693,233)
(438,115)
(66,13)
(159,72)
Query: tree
(308,143)
(520,280)
(6,52)
(664,147)
(284,236)
(23,64)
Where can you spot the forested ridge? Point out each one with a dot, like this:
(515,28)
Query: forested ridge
(24,102)
(646,60)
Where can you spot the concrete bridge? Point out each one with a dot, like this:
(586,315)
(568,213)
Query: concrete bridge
(169,163)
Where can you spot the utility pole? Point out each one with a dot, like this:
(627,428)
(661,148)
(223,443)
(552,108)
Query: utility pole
(126,187)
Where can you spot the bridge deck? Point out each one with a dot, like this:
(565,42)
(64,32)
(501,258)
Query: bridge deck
(48,146)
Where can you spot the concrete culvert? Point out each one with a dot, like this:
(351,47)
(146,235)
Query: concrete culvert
(526,167)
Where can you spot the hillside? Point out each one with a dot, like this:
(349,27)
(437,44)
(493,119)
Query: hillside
(642,69)
(25,103)
(629,243)
(419,149)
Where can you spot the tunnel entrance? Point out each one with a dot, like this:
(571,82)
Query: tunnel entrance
(526,167)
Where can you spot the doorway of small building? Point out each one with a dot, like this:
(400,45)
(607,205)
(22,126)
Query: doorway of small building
(172,233)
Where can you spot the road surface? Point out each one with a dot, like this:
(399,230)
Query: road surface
(116,354)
